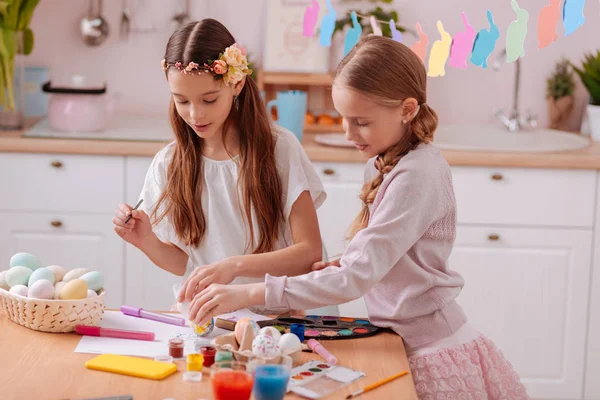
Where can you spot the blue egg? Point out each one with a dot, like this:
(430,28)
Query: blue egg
(17,276)
(94,280)
(39,274)
(25,260)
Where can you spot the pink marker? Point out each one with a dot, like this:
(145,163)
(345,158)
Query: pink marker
(89,330)
(320,350)
(141,313)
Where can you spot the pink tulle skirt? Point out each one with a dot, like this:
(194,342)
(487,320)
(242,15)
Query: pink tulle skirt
(474,370)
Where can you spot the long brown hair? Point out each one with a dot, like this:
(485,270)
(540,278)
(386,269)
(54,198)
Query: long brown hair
(389,72)
(261,190)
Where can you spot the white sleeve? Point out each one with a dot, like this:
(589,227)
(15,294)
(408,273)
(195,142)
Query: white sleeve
(154,184)
(296,172)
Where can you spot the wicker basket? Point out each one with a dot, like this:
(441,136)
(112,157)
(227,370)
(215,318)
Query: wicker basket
(52,315)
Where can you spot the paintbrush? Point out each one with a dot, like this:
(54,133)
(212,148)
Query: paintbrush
(376,385)
(134,208)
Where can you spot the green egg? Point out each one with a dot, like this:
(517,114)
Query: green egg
(17,276)
(94,280)
(39,274)
(25,260)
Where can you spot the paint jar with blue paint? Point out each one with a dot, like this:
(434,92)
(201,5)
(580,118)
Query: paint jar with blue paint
(298,330)
(270,379)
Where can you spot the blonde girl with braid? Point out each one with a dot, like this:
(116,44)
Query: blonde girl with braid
(397,257)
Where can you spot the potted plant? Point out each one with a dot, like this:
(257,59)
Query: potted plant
(590,77)
(559,93)
(16,39)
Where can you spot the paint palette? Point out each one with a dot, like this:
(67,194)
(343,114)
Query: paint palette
(325,328)
(316,379)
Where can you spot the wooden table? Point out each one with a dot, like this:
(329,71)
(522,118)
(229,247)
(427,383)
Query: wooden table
(43,366)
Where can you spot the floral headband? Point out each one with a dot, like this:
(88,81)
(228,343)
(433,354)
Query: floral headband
(231,66)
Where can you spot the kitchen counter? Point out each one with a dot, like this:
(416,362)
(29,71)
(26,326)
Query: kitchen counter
(587,158)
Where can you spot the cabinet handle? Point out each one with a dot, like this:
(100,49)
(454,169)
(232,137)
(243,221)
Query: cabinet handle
(497,177)
(493,237)
(56,164)
(56,223)
(328,171)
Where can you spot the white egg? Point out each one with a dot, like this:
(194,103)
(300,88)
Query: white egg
(3,284)
(264,346)
(21,290)
(57,288)
(289,343)
(91,293)
(42,289)
(271,331)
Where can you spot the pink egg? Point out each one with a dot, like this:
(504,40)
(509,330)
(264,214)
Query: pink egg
(240,326)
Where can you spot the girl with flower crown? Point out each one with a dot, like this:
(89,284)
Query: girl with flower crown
(232,198)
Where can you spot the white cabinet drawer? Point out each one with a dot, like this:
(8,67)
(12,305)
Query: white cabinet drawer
(56,182)
(340,172)
(534,197)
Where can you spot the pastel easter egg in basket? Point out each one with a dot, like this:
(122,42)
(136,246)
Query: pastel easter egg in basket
(3,284)
(94,280)
(25,260)
(20,290)
(58,271)
(57,288)
(75,274)
(41,274)
(74,290)
(41,289)
(18,275)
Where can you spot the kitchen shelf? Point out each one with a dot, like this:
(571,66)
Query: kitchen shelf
(290,78)
(323,128)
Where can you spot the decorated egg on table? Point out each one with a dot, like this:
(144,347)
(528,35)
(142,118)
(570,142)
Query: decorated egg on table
(41,274)
(73,290)
(271,331)
(58,271)
(57,288)
(41,289)
(289,343)
(21,290)
(25,260)
(18,275)
(3,284)
(264,346)
(240,327)
(75,274)
(94,280)
(204,329)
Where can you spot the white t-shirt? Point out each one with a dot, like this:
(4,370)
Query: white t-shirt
(226,228)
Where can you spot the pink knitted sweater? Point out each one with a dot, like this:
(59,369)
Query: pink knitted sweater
(399,262)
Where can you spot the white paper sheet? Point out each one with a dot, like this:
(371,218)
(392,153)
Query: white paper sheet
(162,332)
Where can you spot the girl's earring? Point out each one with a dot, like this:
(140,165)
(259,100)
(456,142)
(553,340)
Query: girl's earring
(404,121)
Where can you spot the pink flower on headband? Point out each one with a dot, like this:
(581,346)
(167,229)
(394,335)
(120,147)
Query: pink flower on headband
(191,66)
(219,67)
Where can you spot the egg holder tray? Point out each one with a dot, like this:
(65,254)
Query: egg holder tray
(52,315)
(229,343)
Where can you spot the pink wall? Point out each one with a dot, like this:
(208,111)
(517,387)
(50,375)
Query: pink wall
(132,67)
